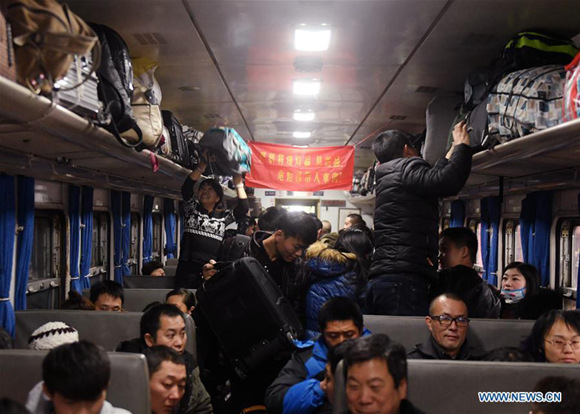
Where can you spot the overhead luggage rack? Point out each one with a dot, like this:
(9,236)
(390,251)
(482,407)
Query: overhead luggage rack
(44,140)
(548,159)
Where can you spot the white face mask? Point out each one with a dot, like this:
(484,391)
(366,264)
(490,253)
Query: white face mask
(513,296)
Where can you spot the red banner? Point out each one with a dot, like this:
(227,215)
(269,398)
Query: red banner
(283,167)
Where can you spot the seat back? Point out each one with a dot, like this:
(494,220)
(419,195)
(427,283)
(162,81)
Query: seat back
(149,282)
(484,334)
(170,270)
(137,299)
(442,387)
(106,329)
(448,386)
(129,387)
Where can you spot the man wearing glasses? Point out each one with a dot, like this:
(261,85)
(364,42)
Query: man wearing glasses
(448,323)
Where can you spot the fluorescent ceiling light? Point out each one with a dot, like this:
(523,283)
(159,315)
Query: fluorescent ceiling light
(302,134)
(303,115)
(300,146)
(312,39)
(306,86)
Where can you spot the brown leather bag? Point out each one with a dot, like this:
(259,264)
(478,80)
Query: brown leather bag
(47,36)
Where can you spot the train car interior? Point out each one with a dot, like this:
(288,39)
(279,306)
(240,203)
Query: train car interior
(79,208)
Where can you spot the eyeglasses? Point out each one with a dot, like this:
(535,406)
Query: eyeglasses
(446,320)
(561,344)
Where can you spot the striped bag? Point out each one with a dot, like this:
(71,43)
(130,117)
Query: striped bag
(526,101)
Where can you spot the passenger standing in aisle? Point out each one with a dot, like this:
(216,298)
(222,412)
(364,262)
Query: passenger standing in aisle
(205,224)
(406,220)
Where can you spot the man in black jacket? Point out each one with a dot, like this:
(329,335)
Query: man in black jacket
(448,323)
(280,253)
(165,325)
(457,255)
(406,220)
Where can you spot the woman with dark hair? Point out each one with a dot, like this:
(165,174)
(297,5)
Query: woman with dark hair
(521,294)
(205,223)
(338,271)
(555,337)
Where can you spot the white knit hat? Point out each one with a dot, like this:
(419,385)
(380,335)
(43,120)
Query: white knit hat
(52,334)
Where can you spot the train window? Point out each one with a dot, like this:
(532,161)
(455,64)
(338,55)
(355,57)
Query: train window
(100,247)
(47,247)
(157,237)
(512,242)
(134,251)
(569,253)
(46,264)
(518,251)
(475,226)
(575,256)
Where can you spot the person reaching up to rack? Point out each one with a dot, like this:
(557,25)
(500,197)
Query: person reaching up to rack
(206,220)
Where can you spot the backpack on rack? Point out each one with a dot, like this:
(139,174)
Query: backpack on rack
(116,85)
(526,101)
(571,101)
(179,148)
(528,49)
(145,104)
(233,154)
(440,115)
(192,137)
(47,37)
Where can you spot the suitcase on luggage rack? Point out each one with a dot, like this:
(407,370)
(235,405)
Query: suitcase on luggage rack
(248,314)
(82,99)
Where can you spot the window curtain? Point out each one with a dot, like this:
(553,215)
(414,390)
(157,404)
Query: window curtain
(536,219)
(147,228)
(117,234)
(490,214)
(25,239)
(74,216)
(126,226)
(169,212)
(86,235)
(7,233)
(457,213)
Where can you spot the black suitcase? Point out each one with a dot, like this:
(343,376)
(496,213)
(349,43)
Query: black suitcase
(179,147)
(248,314)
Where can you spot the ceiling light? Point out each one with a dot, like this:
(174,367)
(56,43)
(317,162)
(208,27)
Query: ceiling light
(312,39)
(303,115)
(306,86)
(300,146)
(302,134)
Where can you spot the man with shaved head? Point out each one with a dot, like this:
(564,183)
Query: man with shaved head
(448,323)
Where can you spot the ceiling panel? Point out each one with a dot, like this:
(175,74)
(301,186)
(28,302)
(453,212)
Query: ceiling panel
(253,47)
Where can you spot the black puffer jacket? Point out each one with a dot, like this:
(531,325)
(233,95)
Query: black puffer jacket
(407,212)
(480,298)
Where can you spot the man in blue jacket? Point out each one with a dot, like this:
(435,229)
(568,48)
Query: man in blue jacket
(297,388)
